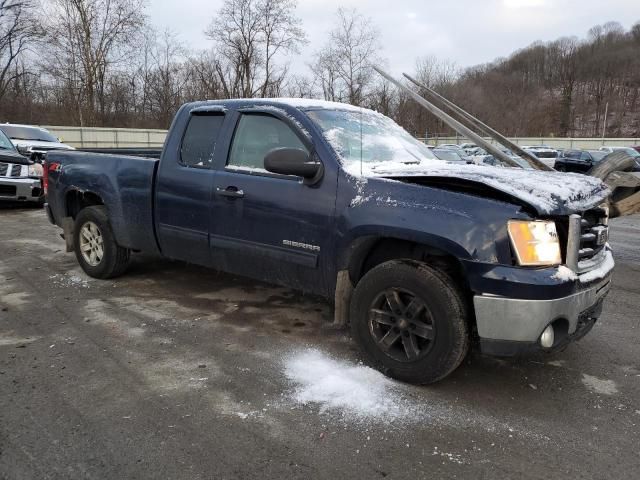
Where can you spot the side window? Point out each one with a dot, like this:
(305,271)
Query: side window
(199,141)
(573,154)
(585,157)
(258,134)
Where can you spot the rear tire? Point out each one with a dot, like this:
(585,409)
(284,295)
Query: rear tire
(410,320)
(95,247)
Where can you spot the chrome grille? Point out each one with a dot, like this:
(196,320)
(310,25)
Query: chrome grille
(3,169)
(588,235)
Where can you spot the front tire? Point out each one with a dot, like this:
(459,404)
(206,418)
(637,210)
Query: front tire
(95,247)
(410,320)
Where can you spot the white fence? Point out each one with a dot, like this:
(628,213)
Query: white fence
(92,137)
(566,143)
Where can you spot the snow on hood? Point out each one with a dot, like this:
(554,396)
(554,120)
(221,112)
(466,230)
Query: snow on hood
(547,192)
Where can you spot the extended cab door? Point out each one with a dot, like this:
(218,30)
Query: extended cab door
(267,226)
(184,187)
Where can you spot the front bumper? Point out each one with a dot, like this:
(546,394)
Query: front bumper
(509,326)
(21,189)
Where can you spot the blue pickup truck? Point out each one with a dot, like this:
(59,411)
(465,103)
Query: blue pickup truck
(423,258)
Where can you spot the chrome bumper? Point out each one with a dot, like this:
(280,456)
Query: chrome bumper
(516,320)
(20,189)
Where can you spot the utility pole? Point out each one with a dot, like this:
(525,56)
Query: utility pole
(604,125)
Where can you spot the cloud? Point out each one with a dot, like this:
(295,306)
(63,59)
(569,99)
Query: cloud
(467,32)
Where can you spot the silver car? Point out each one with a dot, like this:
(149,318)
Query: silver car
(20,178)
(31,141)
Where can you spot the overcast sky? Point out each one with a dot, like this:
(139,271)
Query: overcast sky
(468,32)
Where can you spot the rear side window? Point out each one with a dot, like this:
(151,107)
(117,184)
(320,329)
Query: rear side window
(199,141)
(573,154)
(256,135)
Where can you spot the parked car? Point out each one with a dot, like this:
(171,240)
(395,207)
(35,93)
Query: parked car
(611,149)
(579,161)
(458,149)
(33,142)
(544,153)
(449,155)
(421,256)
(20,178)
(632,152)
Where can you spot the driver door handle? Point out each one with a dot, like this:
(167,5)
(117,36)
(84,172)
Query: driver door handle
(230,192)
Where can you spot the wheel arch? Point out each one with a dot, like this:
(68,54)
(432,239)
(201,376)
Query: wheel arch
(369,251)
(75,200)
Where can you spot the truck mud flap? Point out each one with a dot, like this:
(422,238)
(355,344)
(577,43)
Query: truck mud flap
(67,228)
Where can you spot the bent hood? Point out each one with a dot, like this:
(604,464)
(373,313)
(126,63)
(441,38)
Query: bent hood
(549,193)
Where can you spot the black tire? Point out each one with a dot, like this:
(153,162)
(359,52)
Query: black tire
(115,259)
(444,317)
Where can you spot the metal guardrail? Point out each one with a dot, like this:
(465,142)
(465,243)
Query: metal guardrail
(94,137)
(554,142)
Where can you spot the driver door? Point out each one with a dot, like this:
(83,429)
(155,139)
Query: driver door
(267,226)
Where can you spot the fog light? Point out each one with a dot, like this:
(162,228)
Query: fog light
(547,338)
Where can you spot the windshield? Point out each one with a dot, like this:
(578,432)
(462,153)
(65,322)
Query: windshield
(543,154)
(447,154)
(27,133)
(368,137)
(5,143)
(632,152)
(597,155)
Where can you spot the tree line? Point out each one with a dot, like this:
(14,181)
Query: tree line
(102,63)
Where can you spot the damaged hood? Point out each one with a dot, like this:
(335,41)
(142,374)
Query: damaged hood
(549,193)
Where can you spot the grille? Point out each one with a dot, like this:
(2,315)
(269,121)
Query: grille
(588,235)
(16,170)
(3,169)
(7,190)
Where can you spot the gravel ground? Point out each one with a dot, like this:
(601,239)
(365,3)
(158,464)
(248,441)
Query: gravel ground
(174,371)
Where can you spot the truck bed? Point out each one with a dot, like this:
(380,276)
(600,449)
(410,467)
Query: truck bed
(126,186)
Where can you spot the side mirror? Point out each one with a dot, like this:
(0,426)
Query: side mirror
(292,161)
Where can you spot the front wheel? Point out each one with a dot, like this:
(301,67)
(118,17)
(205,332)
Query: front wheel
(96,249)
(411,321)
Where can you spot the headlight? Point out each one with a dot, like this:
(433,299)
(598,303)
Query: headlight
(35,170)
(535,242)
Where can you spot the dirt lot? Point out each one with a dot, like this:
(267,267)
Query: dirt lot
(174,371)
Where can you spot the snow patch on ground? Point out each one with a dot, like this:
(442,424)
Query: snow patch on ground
(598,385)
(10,340)
(63,280)
(360,395)
(356,390)
(16,299)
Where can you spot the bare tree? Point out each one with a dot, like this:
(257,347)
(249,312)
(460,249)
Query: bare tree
(251,35)
(343,66)
(17,32)
(86,39)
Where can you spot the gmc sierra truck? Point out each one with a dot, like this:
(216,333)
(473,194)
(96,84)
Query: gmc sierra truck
(422,257)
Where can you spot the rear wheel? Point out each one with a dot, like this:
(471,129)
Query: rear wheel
(96,249)
(411,321)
